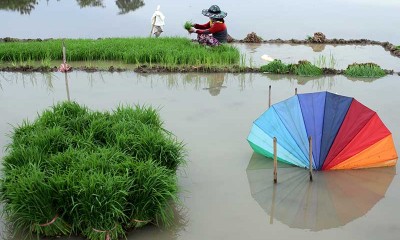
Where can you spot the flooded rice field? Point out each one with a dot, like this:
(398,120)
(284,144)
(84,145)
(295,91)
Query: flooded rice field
(330,56)
(226,189)
(348,19)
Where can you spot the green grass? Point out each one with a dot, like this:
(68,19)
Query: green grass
(276,66)
(367,70)
(92,173)
(164,51)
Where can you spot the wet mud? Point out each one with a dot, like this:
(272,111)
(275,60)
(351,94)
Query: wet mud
(162,69)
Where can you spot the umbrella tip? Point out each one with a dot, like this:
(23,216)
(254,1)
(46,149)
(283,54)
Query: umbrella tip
(158,7)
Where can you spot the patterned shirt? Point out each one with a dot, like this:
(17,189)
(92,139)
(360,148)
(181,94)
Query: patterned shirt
(217,29)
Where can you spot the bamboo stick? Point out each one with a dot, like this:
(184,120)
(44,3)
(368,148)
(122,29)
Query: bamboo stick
(152,27)
(67,86)
(64,53)
(310,157)
(269,96)
(275,163)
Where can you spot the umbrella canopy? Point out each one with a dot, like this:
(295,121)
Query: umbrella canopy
(345,133)
(334,199)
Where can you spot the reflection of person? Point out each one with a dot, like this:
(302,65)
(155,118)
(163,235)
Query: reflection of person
(215,83)
(158,22)
(214,32)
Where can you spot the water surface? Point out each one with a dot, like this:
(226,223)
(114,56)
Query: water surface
(213,114)
(375,20)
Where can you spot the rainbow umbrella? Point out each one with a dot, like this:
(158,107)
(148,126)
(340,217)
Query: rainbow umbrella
(345,133)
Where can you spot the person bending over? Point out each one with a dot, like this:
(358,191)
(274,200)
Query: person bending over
(214,32)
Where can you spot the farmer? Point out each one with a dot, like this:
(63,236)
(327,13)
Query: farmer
(214,32)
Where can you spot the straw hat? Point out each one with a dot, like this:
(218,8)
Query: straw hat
(214,12)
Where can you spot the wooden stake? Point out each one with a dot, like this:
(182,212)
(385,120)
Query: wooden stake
(295,91)
(64,53)
(269,96)
(152,27)
(275,163)
(67,86)
(310,157)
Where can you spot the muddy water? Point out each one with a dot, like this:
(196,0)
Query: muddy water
(212,114)
(376,20)
(330,56)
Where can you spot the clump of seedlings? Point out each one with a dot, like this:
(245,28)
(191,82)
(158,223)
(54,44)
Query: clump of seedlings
(94,174)
(187,25)
(302,68)
(276,66)
(305,68)
(367,70)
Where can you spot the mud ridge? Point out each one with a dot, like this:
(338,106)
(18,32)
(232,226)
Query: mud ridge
(161,69)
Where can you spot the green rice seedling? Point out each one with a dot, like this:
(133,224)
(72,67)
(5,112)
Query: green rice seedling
(100,172)
(29,202)
(146,115)
(320,61)
(332,61)
(128,50)
(367,70)
(305,68)
(323,62)
(276,66)
(22,131)
(68,115)
(46,140)
(46,62)
(23,155)
(152,190)
(99,203)
(147,143)
(187,25)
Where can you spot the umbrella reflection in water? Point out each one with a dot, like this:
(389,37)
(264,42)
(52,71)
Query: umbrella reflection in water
(333,199)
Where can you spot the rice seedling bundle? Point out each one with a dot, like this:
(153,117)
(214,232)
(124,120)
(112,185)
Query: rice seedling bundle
(95,174)
(276,66)
(305,68)
(168,50)
(187,25)
(367,70)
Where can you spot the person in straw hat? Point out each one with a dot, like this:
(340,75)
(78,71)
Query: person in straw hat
(214,32)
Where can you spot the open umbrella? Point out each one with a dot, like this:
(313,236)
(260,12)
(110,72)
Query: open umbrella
(345,133)
(333,199)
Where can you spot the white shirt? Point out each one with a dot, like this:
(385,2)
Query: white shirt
(158,18)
